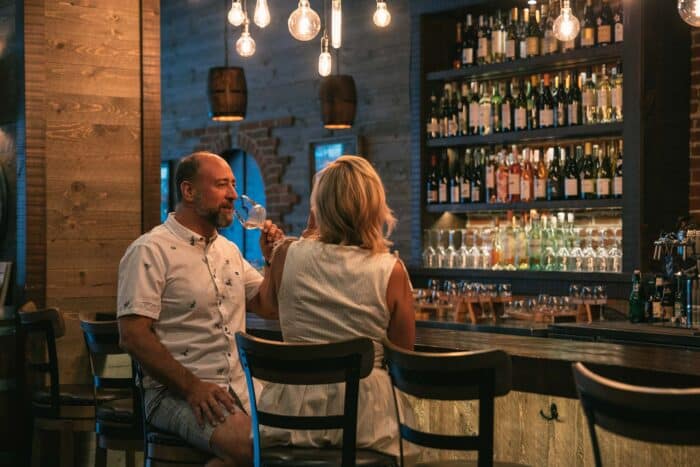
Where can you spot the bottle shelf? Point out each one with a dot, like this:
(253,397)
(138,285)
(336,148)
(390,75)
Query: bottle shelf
(524,136)
(573,204)
(533,65)
(486,274)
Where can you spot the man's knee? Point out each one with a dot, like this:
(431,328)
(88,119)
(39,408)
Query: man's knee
(231,439)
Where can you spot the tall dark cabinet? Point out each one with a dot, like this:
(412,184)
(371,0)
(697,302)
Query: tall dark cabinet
(656,58)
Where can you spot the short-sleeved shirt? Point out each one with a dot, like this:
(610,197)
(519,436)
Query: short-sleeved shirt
(196,291)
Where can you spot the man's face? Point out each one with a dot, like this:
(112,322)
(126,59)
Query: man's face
(215,192)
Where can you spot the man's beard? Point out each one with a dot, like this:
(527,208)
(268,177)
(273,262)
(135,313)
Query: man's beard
(216,216)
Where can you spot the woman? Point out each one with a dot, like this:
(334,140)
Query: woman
(337,282)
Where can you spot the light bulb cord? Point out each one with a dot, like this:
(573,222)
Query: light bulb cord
(225,36)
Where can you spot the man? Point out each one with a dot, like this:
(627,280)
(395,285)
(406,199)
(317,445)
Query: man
(183,293)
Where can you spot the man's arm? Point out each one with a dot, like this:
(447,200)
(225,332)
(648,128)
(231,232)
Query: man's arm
(136,336)
(265,301)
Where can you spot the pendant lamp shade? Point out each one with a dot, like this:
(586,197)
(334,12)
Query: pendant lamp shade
(338,101)
(228,94)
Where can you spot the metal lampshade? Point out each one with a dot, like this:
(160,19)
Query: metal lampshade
(228,94)
(338,101)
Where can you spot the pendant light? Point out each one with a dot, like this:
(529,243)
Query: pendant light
(338,101)
(304,23)
(261,16)
(381,17)
(235,14)
(227,90)
(690,11)
(566,26)
(336,24)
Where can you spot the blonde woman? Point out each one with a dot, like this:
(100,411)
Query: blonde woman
(337,282)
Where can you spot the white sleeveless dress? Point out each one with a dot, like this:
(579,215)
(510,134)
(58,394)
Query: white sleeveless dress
(330,293)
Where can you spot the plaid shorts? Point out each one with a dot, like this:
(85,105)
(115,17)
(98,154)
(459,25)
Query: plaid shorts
(171,413)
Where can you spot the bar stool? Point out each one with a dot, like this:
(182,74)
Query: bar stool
(481,375)
(63,408)
(657,415)
(163,449)
(310,364)
(118,422)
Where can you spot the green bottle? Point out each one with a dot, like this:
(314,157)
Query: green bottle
(636,306)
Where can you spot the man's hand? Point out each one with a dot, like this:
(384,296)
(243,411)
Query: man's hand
(206,400)
(270,234)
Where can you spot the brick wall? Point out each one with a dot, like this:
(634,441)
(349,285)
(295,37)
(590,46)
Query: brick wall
(694,201)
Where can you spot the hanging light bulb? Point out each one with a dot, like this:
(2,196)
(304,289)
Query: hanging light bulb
(235,14)
(304,22)
(381,17)
(690,11)
(261,17)
(325,61)
(245,45)
(336,24)
(566,26)
(532,2)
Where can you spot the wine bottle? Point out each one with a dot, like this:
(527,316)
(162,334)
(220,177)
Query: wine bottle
(520,108)
(455,100)
(490,171)
(512,36)
(533,34)
(589,25)
(433,125)
(469,43)
(616,95)
(502,179)
(466,179)
(617,176)
(526,178)
(483,55)
(533,114)
(604,95)
(507,108)
(618,26)
(545,107)
(445,112)
(604,176)
(522,33)
(550,42)
(571,175)
(588,174)
(514,175)
(574,100)
(463,111)
(474,109)
(432,181)
(541,176)
(496,108)
(485,116)
(604,23)
(455,181)
(590,101)
(554,177)
(457,57)
(561,102)
(477,183)
(498,39)
(443,175)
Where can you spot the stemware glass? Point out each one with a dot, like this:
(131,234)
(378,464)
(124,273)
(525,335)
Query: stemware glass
(588,253)
(429,253)
(615,257)
(249,213)
(601,254)
(451,253)
(474,254)
(463,260)
(575,261)
(440,249)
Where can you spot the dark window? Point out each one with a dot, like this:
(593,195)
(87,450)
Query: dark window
(166,204)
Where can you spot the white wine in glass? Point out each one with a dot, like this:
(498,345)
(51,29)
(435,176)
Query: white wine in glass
(250,214)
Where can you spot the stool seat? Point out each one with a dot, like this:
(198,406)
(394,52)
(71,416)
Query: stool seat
(116,411)
(71,394)
(166,447)
(280,456)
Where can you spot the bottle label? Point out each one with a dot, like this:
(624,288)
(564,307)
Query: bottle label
(546,117)
(570,187)
(533,46)
(602,186)
(485,120)
(432,196)
(568,45)
(467,56)
(603,98)
(604,34)
(444,126)
(616,97)
(502,186)
(454,194)
(520,118)
(505,117)
(442,193)
(514,184)
(483,51)
(490,179)
(656,309)
(619,32)
(551,41)
(617,186)
(587,185)
(588,37)
(466,190)
(540,188)
(522,49)
(476,193)
(588,98)
(473,115)
(452,126)
(561,114)
(463,121)
(573,113)
(498,42)
(510,49)
(526,189)
(535,247)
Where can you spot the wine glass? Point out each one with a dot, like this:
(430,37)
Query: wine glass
(249,213)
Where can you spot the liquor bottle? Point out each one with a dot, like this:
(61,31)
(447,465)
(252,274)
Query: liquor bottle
(457,58)
(520,108)
(496,108)
(474,110)
(533,114)
(498,39)
(432,182)
(514,176)
(522,33)
(604,176)
(589,25)
(463,111)
(533,34)
(554,177)
(522,260)
(616,94)
(618,26)
(526,178)
(571,176)
(454,182)
(483,55)
(636,301)
(590,100)
(604,23)
(455,101)
(433,125)
(550,43)
(466,178)
(541,176)
(490,171)
(485,116)
(443,176)
(545,104)
(477,183)
(679,299)
(534,241)
(507,107)
(469,43)
(445,112)
(656,311)
(604,94)
(502,179)
(512,36)
(617,175)
(574,100)
(588,173)
(561,102)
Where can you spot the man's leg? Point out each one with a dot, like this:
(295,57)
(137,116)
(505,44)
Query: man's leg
(231,441)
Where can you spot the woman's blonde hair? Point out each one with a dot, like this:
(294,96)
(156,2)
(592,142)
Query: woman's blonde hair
(349,204)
